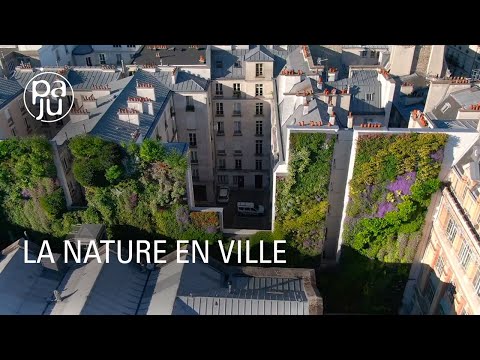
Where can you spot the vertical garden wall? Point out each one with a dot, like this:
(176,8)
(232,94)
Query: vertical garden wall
(393,180)
(302,196)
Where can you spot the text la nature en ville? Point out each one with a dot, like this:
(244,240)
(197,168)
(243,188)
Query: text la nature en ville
(153,251)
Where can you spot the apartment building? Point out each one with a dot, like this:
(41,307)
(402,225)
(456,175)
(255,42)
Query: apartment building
(464,59)
(428,60)
(242,92)
(87,55)
(449,281)
(14,118)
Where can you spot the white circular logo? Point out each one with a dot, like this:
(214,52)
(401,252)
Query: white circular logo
(48,96)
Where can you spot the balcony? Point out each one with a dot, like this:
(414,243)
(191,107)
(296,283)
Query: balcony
(194,161)
(221,153)
(237,113)
(219,114)
(219,94)
(237,133)
(463,213)
(237,153)
(220,133)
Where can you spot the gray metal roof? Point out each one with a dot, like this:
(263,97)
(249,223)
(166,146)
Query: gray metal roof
(456,124)
(89,231)
(82,50)
(72,129)
(185,82)
(361,83)
(258,53)
(80,79)
(25,289)
(110,127)
(177,55)
(109,288)
(461,99)
(9,90)
(201,289)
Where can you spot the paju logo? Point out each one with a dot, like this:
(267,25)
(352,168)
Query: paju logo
(48,94)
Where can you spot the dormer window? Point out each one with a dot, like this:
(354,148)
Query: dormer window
(238,64)
(258,69)
(445,107)
(369,97)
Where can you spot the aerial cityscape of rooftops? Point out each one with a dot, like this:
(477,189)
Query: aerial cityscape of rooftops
(301,179)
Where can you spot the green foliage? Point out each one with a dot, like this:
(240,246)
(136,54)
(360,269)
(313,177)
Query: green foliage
(54,203)
(383,241)
(151,151)
(95,159)
(114,173)
(301,199)
(205,220)
(30,197)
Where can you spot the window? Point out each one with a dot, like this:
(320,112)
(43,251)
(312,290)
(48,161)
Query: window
(258,147)
(12,130)
(440,266)
(88,61)
(190,106)
(218,64)
(451,230)
(222,179)
(464,193)
(237,109)
(237,128)
(238,64)
(195,174)
(117,46)
(238,164)
(235,180)
(259,109)
(259,128)
(369,97)
(194,157)
(219,109)
(220,128)
(119,59)
(130,46)
(430,290)
(258,89)
(192,137)
(363,53)
(476,282)
(465,254)
(101,58)
(236,88)
(373,54)
(219,89)
(445,107)
(221,164)
(258,165)
(258,69)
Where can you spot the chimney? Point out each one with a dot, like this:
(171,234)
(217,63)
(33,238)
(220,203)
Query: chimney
(330,108)
(201,60)
(129,115)
(305,108)
(174,75)
(332,74)
(331,119)
(406,88)
(320,84)
(145,89)
(350,120)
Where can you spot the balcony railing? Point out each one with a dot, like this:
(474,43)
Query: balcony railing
(464,214)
